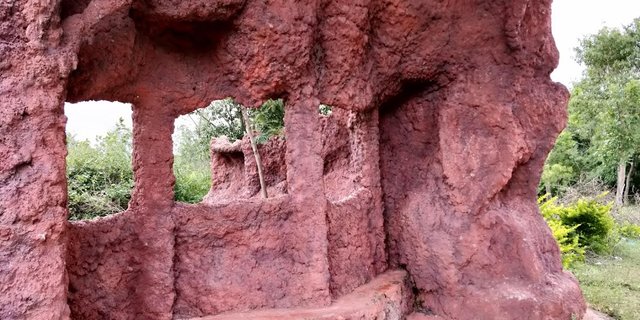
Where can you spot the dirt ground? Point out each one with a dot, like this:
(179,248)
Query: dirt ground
(595,315)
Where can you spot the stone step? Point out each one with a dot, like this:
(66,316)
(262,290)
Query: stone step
(387,297)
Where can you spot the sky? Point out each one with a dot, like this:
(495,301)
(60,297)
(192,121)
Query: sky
(572,20)
(86,120)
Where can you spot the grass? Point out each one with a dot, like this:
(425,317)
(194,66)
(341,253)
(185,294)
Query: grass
(611,284)
(628,214)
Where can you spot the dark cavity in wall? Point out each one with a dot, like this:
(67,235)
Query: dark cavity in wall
(183,37)
(408,148)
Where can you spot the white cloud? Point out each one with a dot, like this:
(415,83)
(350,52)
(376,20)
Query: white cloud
(572,20)
(89,119)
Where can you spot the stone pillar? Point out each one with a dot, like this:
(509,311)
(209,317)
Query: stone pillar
(33,71)
(152,202)
(304,180)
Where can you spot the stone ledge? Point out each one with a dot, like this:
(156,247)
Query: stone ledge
(387,297)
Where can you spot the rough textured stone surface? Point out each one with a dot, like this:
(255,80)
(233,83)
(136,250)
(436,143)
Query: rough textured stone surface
(595,315)
(33,62)
(384,298)
(234,174)
(244,255)
(443,115)
(469,228)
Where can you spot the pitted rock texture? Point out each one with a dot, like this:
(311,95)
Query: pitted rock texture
(384,298)
(443,113)
(234,173)
(243,256)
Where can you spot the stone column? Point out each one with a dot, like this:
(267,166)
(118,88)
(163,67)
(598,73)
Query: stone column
(33,191)
(304,180)
(152,202)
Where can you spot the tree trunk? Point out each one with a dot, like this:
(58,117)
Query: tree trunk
(627,184)
(256,154)
(622,167)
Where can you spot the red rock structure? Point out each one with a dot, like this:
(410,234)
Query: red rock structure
(415,196)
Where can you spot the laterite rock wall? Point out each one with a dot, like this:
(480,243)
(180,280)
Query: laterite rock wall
(443,114)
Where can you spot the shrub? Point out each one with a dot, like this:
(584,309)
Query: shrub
(99,177)
(193,179)
(268,120)
(631,231)
(583,225)
(593,223)
(568,240)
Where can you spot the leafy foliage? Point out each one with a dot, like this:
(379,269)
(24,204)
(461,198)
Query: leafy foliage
(268,120)
(612,50)
(193,179)
(568,240)
(221,118)
(631,231)
(602,136)
(592,221)
(325,110)
(99,177)
(583,225)
(224,118)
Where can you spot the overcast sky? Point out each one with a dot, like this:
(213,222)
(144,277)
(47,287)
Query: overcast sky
(572,20)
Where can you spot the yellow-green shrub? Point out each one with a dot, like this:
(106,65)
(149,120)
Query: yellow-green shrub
(592,221)
(630,230)
(568,240)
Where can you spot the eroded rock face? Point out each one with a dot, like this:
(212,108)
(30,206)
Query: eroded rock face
(443,115)
(32,171)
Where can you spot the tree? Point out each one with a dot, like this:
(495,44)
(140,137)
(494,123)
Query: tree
(563,164)
(601,139)
(224,118)
(606,102)
(220,118)
(256,154)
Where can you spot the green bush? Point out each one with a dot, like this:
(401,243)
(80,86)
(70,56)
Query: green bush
(268,120)
(193,179)
(568,240)
(629,230)
(593,221)
(583,225)
(100,177)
